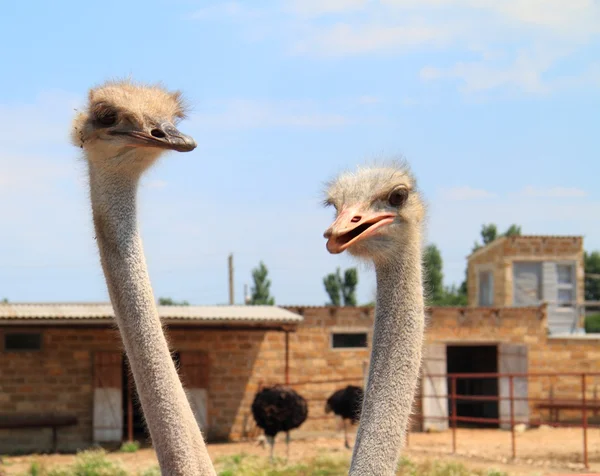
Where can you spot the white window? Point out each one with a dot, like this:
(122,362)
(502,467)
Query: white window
(566,285)
(486,288)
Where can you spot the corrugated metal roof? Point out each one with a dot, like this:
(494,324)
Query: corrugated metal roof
(101,311)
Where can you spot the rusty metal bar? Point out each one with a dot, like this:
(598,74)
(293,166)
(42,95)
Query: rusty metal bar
(453,400)
(130,385)
(516,374)
(584,421)
(287,358)
(512,416)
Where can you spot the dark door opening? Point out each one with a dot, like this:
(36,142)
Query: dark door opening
(474,359)
(139,431)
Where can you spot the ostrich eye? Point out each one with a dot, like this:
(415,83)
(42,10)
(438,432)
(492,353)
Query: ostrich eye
(398,197)
(107,118)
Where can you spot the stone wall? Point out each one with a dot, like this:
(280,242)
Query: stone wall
(499,257)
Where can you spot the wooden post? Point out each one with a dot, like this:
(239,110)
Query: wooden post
(231,294)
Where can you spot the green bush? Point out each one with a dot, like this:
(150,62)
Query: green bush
(130,447)
(592,323)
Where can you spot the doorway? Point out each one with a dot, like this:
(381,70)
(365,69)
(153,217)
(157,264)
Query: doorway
(474,359)
(131,404)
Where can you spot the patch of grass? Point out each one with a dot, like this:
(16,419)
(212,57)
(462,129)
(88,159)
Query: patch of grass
(436,468)
(153,471)
(327,465)
(87,463)
(248,465)
(130,447)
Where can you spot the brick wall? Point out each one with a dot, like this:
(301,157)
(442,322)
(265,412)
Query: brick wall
(56,379)
(60,377)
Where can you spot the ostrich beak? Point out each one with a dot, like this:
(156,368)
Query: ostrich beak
(164,136)
(353,225)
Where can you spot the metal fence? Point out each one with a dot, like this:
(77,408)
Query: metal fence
(574,393)
(580,398)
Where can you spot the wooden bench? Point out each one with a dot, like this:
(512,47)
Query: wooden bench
(38,420)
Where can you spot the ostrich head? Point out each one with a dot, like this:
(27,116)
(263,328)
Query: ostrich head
(378,209)
(129,125)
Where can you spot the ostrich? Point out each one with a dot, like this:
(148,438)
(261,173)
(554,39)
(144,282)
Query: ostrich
(346,402)
(379,217)
(276,409)
(123,130)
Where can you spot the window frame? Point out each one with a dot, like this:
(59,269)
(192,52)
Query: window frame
(352,330)
(485,268)
(6,332)
(572,286)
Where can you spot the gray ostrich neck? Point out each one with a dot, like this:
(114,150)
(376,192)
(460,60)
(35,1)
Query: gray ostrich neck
(175,435)
(395,364)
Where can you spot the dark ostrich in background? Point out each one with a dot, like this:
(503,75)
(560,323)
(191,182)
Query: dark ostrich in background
(277,409)
(346,403)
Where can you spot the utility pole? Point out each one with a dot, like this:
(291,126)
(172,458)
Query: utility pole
(246,296)
(231,295)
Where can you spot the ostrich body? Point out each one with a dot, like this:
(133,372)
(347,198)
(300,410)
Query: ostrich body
(276,409)
(346,403)
(379,217)
(123,131)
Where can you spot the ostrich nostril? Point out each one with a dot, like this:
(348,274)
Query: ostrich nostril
(158,133)
(356,219)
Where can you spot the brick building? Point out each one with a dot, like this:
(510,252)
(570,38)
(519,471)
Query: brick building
(529,270)
(68,359)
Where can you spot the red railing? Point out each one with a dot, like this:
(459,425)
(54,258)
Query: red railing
(581,404)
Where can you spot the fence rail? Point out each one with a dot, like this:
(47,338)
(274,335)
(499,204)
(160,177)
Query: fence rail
(580,403)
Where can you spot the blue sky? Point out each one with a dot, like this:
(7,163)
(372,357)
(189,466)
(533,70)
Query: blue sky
(495,104)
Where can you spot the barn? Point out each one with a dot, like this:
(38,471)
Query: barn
(63,364)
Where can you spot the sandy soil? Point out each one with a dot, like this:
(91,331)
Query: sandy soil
(539,452)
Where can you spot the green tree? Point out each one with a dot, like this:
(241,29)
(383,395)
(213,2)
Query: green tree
(170,302)
(5,301)
(332,283)
(434,276)
(260,290)
(513,230)
(349,286)
(341,289)
(592,275)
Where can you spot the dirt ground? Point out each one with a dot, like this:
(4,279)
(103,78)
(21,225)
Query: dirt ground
(540,452)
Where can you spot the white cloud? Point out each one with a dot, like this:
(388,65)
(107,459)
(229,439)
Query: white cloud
(466,193)
(345,39)
(553,192)
(245,113)
(321,7)
(232,10)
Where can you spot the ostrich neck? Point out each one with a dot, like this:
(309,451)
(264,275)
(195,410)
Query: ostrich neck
(176,437)
(395,363)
